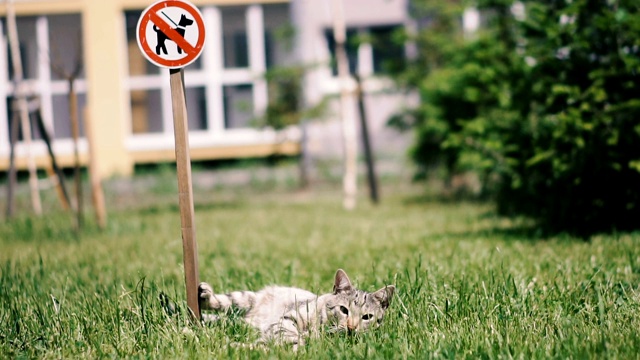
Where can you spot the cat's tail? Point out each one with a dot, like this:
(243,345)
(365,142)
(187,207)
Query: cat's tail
(243,300)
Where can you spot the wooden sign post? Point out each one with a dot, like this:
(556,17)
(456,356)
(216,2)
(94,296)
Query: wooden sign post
(185,190)
(181,23)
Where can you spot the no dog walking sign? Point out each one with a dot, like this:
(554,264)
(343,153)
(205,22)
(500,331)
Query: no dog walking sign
(171,33)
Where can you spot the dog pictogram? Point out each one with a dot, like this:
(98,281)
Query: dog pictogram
(162,37)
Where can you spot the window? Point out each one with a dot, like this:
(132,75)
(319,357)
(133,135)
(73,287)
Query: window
(351,47)
(279,36)
(234,33)
(238,106)
(61,119)
(65,42)
(146,111)
(369,50)
(197,108)
(26,27)
(138,65)
(50,49)
(225,87)
(388,54)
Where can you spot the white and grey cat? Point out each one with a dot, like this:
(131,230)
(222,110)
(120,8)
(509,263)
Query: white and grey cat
(290,315)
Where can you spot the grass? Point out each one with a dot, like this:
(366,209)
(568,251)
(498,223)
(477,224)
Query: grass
(470,284)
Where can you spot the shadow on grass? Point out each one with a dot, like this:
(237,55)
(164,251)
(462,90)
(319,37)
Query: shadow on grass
(520,233)
(445,199)
(60,226)
(519,228)
(174,207)
(53,227)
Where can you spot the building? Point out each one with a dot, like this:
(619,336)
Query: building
(128,100)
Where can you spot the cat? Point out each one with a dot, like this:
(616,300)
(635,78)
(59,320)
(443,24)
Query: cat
(287,315)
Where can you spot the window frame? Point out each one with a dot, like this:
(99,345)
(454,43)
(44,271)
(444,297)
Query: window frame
(213,76)
(43,86)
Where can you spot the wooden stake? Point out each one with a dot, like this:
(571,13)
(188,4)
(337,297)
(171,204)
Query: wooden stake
(55,180)
(60,187)
(12,174)
(366,142)
(20,95)
(97,194)
(75,133)
(305,157)
(185,191)
(349,181)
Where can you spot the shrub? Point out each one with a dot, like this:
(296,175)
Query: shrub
(546,108)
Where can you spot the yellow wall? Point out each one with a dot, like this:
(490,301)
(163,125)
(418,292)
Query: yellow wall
(104,36)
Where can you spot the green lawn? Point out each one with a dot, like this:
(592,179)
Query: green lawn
(469,284)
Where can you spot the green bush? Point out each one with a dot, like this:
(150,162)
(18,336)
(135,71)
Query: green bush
(546,108)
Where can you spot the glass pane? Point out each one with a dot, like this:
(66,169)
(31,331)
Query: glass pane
(12,110)
(146,111)
(10,113)
(238,106)
(196,108)
(26,26)
(65,44)
(388,55)
(351,47)
(279,35)
(138,64)
(196,65)
(61,120)
(234,36)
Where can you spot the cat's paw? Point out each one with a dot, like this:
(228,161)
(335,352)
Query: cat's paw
(209,318)
(256,346)
(205,291)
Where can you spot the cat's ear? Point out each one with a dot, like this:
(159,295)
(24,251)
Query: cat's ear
(384,295)
(342,282)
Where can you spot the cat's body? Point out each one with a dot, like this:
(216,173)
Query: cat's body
(290,315)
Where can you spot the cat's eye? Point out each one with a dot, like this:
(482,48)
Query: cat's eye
(367,317)
(344,310)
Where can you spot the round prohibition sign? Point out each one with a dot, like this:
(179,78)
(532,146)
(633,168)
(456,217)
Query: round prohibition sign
(171,33)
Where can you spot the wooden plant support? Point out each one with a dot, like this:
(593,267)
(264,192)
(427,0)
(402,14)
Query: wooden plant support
(305,158)
(18,77)
(75,133)
(12,180)
(97,194)
(349,138)
(372,179)
(63,195)
(60,187)
(53,177)
(71,76)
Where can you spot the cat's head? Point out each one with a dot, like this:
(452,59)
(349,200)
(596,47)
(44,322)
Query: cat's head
(352,310)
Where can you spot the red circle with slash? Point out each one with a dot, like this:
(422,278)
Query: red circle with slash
(155,18)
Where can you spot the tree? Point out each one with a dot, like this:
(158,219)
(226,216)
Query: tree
(544,105)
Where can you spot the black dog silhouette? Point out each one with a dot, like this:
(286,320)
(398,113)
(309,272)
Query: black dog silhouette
(182,24)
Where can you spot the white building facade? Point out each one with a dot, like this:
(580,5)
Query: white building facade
(128,100)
